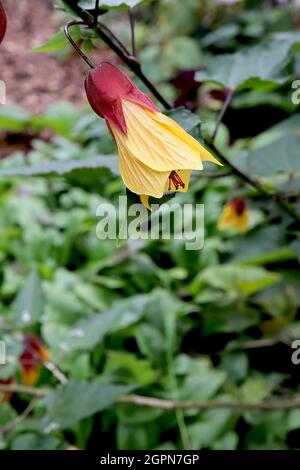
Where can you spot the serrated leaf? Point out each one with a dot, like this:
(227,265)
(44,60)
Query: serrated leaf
(70,403)
(28,307)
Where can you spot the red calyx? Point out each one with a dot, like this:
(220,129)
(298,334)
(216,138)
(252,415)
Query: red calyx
(105,87)
(3,22)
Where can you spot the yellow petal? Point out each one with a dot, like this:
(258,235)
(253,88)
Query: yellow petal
(154,140)
(139,178)
(229,219)
(205,155)
(145,201)
(30,375)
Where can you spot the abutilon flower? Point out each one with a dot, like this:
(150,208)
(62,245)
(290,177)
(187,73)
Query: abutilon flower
(156,155)
(235,216)
(3,22)
(34,354)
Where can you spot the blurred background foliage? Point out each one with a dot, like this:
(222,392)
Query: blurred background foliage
(90,321)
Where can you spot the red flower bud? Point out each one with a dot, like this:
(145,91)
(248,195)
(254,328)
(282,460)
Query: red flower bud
(105,87)
(3,22)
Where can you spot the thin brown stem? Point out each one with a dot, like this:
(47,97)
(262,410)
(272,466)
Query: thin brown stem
(132,30)
(114,38)
(57,373)
(255,184)
(16,388)
(172,404)
(96,12)
(76,47)
(230,93)
(165,404)
(20,418)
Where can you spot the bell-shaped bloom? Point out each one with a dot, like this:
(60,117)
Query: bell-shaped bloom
(35,353)
(3,22)
(156,155)
(235,215)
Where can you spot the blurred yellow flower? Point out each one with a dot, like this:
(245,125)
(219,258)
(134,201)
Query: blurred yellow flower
(235,215)
(35,353)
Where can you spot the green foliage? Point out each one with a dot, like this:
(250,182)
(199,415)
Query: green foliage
(150,317)
(28,307)
(254,67)
(64,409)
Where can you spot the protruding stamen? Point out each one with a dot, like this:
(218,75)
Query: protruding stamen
(176,180)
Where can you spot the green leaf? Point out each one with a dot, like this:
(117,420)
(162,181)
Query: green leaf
(262,246)
(244,279)
(34,441)
(251,67)
(66,168)
(231,318)
(70,403)
(87,333)
(254,390)
(228,441)
(127,368)
(28,307)
(295,246)
(206,430)
(13,118)
(186,119)
(182,52)
(218,36)
(111,4)
(293,421)
(61,117)
(58,42)
(281,156)
(200,380)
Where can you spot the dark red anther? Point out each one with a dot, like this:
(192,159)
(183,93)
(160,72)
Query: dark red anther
(176,180)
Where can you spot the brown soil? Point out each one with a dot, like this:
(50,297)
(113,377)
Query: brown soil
(35,80)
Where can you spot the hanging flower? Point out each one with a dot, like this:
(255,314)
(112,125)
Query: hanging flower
(3,22)
(235,216)
(156,155)
(34,354)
